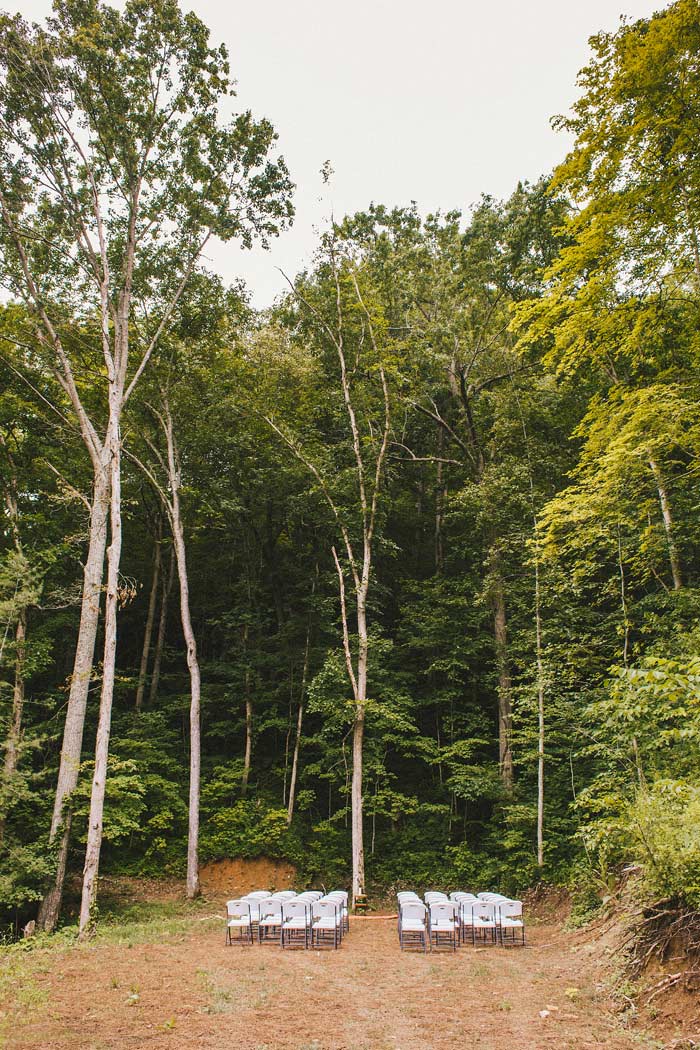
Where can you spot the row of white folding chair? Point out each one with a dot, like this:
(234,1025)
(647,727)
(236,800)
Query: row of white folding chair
(256,896)
(310,916)
(412,922)
(423,925)
(486,913)
(313,919)
(490,913)
(243,913)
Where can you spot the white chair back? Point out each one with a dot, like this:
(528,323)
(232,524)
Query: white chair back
(485,910)
(239,908)
(270,908)
(296,909)
(443,911)
(414,911)
(325,909)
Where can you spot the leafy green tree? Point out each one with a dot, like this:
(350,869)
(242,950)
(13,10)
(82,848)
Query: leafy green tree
(116,170)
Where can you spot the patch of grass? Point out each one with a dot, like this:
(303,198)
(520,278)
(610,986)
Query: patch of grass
(481,970)
(220,999)
(21,997)
(140,922)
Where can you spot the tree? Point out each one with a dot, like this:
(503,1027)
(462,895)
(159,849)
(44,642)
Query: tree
(357,524)
(116,170)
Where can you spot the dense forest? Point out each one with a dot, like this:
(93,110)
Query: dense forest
(398,579)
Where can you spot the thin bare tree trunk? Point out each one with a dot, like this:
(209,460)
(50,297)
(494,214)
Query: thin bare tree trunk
(71,749)
(247,757)
(166,588)
(150,618)
(439,507)
(673,555)
(505,756)
(357,805)
(540,713)
(297,739)
(14,734)
(193,887)
(104,724)
(356,792)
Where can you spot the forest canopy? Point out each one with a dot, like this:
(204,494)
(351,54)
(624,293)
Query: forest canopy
(396,580)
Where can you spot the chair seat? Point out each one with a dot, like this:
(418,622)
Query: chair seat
(238,922)
(507,921)
(326,923)
(270,920)
(444,924)
(413,926)
(478,921)
(295,924)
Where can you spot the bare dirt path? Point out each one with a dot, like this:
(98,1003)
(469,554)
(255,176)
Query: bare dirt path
(194,992)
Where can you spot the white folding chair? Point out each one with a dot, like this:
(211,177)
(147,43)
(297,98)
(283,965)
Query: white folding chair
(326,923)
(270,919)
(238,918)
(254,899)
(342,897)
(296,920)
(413,925)
(465,913)
(484,919)
(510,920)
(444,924)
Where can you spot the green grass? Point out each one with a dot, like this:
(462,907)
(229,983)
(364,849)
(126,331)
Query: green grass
(127,924)
(131,923)
(21,996)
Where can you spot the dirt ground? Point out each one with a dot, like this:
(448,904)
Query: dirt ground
(192,991)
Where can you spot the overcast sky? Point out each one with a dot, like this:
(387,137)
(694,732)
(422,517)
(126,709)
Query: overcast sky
(436,101)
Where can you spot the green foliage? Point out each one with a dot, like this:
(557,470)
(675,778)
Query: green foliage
(664,828)
(248,828)
(541,357)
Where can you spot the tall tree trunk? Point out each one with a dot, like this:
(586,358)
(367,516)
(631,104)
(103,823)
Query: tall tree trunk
(71,749)
(166,588)
(357,805)
(540,714)
(673,555)
(358,732)
(297,739)
(248,755)
(14,734)
(193,887)
(99,780)
(150,617)
(439,506)
(505,757)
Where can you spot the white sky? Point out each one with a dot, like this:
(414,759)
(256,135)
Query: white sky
(435,101)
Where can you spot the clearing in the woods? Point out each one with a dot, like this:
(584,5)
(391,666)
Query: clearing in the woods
(161,977)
